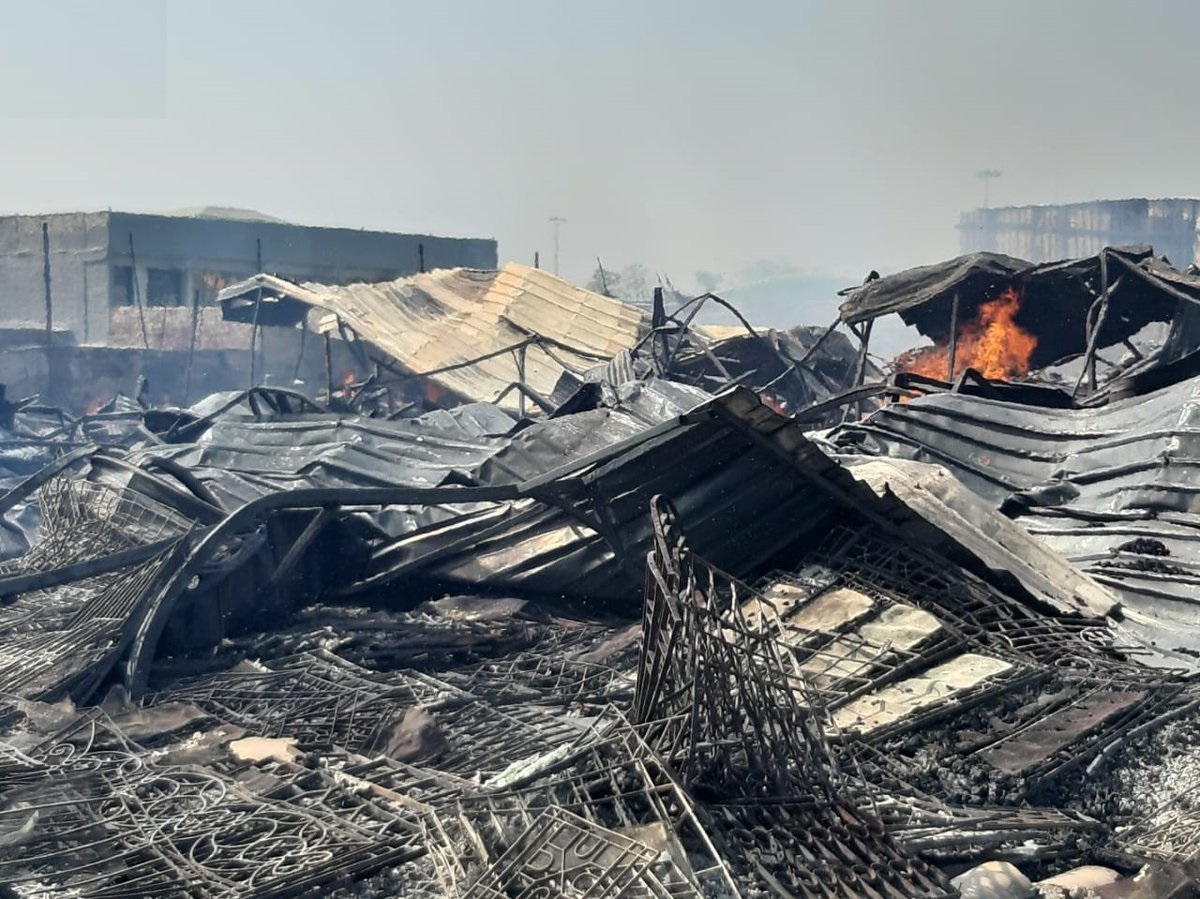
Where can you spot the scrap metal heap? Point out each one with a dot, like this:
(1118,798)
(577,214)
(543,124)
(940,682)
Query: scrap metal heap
(656,642)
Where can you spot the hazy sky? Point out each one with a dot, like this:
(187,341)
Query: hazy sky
(836,136)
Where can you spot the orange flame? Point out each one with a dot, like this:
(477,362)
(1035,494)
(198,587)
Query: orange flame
(349,377)
(992,344)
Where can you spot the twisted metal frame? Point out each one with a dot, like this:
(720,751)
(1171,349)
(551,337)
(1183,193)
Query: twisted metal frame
(106,820)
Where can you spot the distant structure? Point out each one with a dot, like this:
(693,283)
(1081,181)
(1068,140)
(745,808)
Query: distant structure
(101,261)
(1049,233)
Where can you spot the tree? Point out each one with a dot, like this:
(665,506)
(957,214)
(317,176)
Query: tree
(605,283)
(633,284)
(709,281)
(636,285)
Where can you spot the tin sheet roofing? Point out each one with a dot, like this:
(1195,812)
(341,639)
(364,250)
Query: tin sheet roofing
(467,327)
(1113,489)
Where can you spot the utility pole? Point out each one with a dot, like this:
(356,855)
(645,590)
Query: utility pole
(987,176)
(556,221)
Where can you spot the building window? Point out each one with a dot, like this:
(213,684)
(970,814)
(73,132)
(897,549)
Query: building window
(120,285)
(164,287)
(209,284)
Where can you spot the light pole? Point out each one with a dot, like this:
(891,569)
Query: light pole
(987,176)
(556,221)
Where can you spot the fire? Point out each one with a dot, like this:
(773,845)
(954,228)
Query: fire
(991,343)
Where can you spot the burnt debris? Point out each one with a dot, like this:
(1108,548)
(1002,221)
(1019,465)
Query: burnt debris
(602,603)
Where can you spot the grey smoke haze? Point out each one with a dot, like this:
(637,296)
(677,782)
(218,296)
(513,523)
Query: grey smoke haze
(693,135)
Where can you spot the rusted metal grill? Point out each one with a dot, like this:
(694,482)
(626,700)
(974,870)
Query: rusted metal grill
(713,695)
(106,821)
(716,699)
(613,783)
(82,520)
(554,676)
(322,700)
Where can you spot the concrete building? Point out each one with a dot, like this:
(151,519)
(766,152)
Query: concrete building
(104,261)
(1049,233)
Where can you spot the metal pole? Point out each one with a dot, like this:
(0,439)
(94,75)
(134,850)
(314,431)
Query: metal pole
(556,221)
(46,278)
(537,259)
(603,277)
(137,292)
(1094,335)
(658,322)
(953,337)
(521,378)
(187,383)
(254,329)
(860,368)
(300,354)
(328,370)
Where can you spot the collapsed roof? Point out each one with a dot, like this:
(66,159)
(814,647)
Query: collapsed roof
(256,573)
(476,332)
(1110,488)
(1057,298)
(714,654)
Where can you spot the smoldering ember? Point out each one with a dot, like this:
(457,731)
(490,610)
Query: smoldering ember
(461,580)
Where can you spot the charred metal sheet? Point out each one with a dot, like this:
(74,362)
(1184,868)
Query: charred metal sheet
(747,477)
(1109,489)
(1053,733)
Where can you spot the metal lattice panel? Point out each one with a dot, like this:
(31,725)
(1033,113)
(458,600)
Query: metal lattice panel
(716,699)
(106,820)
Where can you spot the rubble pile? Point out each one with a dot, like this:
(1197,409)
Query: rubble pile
(614,620)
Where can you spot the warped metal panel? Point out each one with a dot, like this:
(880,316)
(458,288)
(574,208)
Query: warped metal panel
(1113,489)
(518,324)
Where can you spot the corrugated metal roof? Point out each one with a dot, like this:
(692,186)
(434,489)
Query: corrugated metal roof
(432,321)
(750,487)
(1115,489)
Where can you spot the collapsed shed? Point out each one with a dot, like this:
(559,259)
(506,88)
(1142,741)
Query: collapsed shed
(1065,309)
(463,335)
(707,652)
